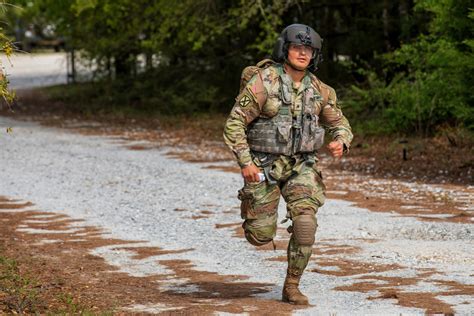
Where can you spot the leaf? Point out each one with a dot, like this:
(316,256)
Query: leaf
(82,5)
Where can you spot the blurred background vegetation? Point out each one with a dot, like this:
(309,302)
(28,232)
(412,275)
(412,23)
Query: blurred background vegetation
(400,67)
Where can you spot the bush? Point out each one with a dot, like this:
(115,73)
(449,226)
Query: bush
(423,85)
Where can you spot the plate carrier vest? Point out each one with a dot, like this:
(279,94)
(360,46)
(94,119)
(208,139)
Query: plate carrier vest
(284,134)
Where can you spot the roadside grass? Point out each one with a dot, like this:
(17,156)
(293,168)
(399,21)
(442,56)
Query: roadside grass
(95,101)
(91,101)
(20,293)
(72,307)
(113,101)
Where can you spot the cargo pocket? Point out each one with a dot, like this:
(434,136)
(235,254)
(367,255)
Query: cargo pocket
(320,188)
(247,209)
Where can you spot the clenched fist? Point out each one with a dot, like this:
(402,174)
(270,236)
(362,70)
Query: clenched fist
(336,148)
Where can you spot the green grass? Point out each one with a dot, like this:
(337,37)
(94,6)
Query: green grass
(21,294)
(95,99)
(72,307)
(20,291)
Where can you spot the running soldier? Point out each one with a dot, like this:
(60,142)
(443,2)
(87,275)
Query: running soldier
(275,129)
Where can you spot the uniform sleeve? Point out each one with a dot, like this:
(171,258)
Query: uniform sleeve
(246,109)
(335,122)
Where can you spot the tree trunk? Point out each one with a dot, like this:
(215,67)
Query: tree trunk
(122,65)
(148,61)
(386,24)
(327,51)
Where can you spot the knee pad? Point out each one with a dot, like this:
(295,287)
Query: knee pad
(254,240)
(258,235)
(304,229)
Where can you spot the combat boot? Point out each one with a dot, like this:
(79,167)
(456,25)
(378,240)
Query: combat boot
(291,293)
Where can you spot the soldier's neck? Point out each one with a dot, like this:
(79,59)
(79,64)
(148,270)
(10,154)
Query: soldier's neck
(295,74)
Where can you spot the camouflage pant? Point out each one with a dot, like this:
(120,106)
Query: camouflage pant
(303,190)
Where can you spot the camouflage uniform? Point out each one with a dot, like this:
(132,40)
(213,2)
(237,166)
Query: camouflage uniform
(296,177)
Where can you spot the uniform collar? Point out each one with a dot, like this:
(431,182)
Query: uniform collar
(305,82)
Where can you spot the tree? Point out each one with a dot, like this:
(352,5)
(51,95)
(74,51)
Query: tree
(7,48)
(426,83)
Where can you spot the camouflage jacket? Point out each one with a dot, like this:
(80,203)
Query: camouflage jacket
(255,100)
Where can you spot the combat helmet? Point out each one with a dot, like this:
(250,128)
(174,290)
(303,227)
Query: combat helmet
(298,34)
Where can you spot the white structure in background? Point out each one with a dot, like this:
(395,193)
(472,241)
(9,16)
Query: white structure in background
(25,70)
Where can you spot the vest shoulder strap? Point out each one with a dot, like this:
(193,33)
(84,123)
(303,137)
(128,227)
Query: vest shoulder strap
(323,88)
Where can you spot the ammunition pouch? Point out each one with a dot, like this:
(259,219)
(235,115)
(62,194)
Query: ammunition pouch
(284,134)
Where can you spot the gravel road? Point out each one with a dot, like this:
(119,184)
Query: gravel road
(26,70)
(144,195)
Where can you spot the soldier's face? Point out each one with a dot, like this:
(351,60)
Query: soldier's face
(299,56)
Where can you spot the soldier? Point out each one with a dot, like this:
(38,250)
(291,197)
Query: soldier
(275,129)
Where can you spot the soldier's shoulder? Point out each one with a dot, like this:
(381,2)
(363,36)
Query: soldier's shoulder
(272,70)
(270,73)
(322,87)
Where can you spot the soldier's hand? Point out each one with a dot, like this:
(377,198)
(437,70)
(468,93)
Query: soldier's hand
(336,148)
(250,173)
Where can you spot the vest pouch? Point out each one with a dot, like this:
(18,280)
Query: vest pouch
(318,137)
(283,133)
(312,135)
(261,134)
(270,136)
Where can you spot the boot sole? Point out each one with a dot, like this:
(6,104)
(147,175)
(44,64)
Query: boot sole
(286,300)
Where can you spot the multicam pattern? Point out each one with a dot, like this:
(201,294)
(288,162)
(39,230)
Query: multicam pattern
(303,190)
(295,177)
(263,92)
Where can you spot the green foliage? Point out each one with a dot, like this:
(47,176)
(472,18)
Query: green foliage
(452,19)
(7,48)
(425,84)
(191,52)
(435,87)
(207,32)
(148,95)
(414,60)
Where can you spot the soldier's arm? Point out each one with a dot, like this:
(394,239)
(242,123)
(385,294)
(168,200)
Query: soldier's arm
(335,122)
(246,109)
